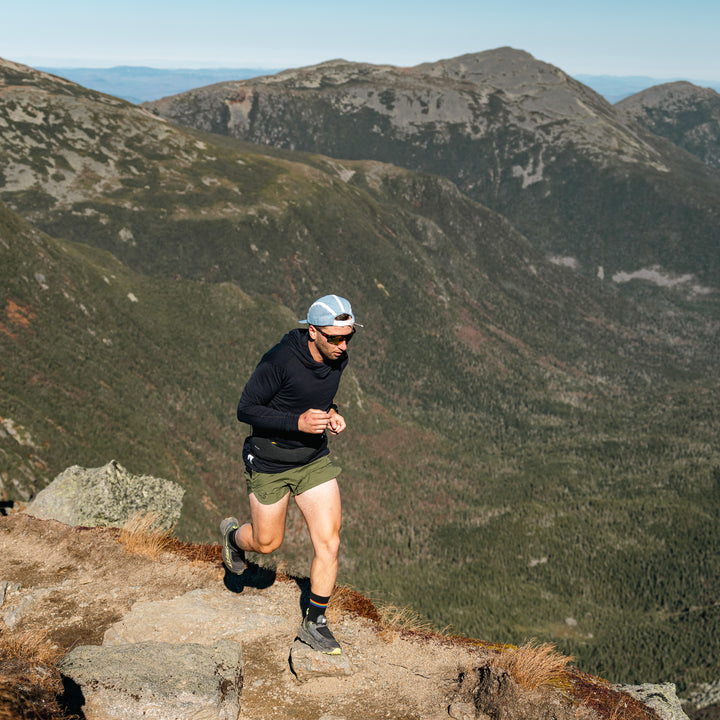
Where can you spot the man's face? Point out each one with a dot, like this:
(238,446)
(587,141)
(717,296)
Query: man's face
(326,340)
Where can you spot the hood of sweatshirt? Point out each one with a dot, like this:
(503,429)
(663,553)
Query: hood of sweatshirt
(297,341)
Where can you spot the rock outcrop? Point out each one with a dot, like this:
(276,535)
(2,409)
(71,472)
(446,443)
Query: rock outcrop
(224,616)
(108,495)
(661,698)
(162,681)
(165,638)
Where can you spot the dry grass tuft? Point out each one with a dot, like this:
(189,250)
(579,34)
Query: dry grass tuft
(140,536)
(27,645)
(345,599)
(196,552)
(534,665)
(29,681)
(403,619)
(387,618)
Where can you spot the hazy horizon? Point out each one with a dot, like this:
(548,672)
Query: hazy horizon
(663,40)
(261,69)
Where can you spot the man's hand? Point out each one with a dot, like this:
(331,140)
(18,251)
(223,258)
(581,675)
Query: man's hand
(337,422)
(314,422)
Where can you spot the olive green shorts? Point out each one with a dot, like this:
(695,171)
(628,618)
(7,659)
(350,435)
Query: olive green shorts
(269,488)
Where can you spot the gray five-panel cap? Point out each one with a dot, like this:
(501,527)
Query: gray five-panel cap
(322,312)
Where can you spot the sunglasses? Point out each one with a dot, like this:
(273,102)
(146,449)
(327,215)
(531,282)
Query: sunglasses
(336,339)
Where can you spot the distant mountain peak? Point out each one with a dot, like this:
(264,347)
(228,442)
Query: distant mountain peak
(515,133)
(679,90)
(500,62)
(684,113)
(469,94)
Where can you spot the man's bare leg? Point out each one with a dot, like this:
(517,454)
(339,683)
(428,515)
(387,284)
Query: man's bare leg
(322,510)
(323,514)
(266,529)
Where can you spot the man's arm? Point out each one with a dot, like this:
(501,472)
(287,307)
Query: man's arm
(254,406)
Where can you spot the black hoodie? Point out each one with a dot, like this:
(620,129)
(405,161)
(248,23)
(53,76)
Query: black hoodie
(287,382)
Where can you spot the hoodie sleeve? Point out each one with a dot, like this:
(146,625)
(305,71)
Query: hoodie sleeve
(255,403)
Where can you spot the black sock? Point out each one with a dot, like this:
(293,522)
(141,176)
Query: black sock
(231,539)
(318,606)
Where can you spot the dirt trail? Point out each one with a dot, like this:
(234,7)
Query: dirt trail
(74,583)
(70,585)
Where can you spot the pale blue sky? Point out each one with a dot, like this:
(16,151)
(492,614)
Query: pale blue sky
(658,38)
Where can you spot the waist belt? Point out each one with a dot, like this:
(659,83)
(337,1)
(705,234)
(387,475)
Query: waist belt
(269,450)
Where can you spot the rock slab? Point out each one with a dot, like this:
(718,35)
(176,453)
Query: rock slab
(157,681)
(307,663)
(108,495)
(199,616)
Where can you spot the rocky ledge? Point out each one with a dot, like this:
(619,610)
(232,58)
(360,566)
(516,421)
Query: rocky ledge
(106,623)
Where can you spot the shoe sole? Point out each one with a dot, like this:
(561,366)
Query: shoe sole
(225,526)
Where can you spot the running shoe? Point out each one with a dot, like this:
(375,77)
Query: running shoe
(233,558)
(318,636)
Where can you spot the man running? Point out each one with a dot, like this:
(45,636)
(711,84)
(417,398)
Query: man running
(288,401)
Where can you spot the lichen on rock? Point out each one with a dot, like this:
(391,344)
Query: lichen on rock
(107,496)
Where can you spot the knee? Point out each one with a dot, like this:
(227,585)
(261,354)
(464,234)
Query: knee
(267,545)
(329,546)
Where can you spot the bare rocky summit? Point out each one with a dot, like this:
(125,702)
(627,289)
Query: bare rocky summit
(685,114)
(578,177)
(468,96)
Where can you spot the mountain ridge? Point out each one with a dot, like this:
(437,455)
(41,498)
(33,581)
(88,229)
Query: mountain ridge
(138,84)
(612,87)
(528,141)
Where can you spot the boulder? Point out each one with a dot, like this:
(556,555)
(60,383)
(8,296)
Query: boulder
(158,681)
(307,663)
(661,698)
(108,495)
